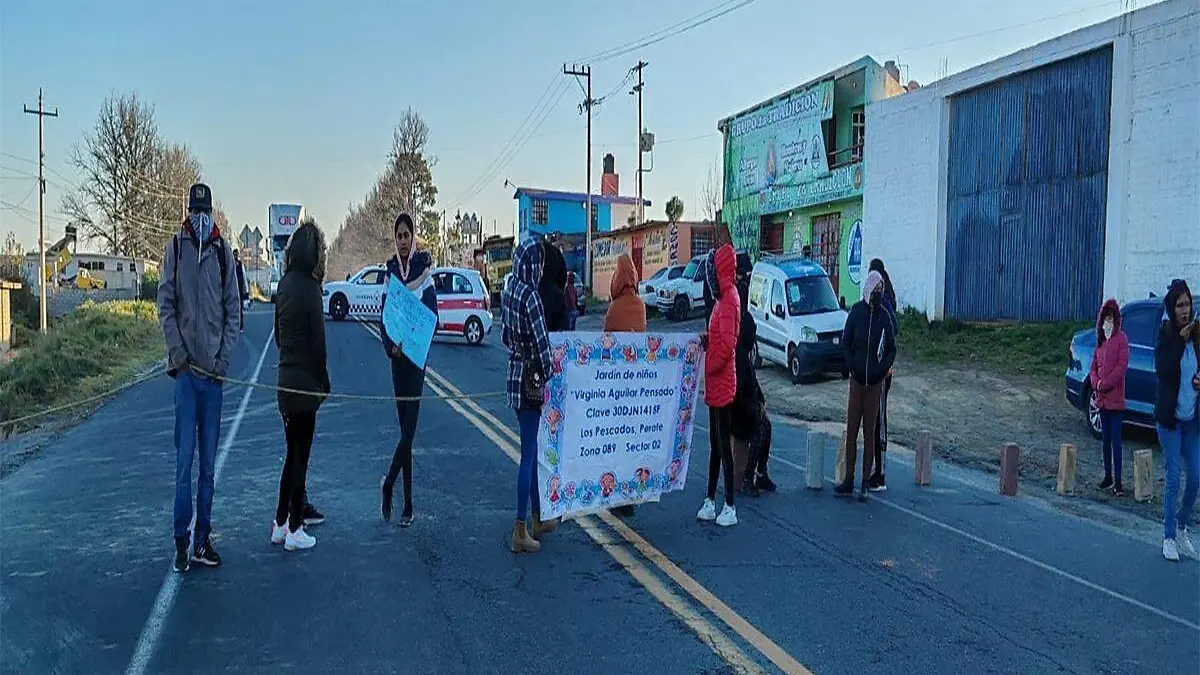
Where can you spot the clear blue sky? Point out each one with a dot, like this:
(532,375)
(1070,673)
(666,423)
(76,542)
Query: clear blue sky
(296,101)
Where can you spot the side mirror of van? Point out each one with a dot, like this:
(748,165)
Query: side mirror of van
(779,311)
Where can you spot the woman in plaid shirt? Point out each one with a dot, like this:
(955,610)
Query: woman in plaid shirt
(528,343)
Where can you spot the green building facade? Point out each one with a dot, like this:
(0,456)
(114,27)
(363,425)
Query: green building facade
(794,170)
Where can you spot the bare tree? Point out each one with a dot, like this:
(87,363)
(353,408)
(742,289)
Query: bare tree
(134,187)
(712,193)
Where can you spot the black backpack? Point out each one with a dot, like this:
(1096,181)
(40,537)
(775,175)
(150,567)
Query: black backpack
(220,243)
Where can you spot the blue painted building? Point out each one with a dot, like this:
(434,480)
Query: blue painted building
(551,212)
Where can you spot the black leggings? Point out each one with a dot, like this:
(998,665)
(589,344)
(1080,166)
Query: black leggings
(298,429)
(881,426)
(720,454)
(760,449)
(407,381)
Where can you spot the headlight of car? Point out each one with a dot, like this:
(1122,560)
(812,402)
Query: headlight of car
(808,334)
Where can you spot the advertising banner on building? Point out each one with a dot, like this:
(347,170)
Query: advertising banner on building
(781,145)
(617,425)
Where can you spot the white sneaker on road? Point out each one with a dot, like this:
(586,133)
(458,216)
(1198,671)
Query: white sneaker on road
(278,532)
(708,511)
(728,516)
(299,540)
(1184,544)
(1170,552)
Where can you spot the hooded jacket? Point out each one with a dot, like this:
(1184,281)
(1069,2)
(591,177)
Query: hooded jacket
(869,343)
(1110,360)
(418,262)
(627,313)
(724,326)
(1168,352)
(553,287)
(749,393)
(199,309)
(300,323)
(525,333)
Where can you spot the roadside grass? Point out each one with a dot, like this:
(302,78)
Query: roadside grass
(91,350)
(1036,350)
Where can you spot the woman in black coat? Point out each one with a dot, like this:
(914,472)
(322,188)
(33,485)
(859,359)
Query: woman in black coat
(300,338)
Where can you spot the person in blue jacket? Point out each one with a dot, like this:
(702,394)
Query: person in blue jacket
(413,268)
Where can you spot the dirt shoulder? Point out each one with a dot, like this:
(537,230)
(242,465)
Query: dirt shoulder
(971,412)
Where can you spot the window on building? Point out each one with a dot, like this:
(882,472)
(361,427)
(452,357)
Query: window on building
(541,212)
(120,267)
(101,265)
(858,132)
(702,242)
(595,216)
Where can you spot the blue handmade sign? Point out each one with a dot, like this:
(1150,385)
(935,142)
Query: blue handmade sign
(408,322)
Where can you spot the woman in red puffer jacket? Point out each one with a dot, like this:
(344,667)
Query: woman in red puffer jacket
(720,382)
(1108,381)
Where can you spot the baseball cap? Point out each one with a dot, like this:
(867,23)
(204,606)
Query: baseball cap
(200,198)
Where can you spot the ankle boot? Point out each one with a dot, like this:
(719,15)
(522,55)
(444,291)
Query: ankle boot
(521,541)
(542,527)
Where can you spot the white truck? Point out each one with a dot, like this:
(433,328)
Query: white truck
(282,220)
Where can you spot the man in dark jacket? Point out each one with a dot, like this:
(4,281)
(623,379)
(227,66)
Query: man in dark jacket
(198,309)
(751,428)
(243,290)
(553,287)
(869,345)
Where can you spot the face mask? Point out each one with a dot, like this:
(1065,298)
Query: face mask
(202,223)
(876,300)
(1108,328)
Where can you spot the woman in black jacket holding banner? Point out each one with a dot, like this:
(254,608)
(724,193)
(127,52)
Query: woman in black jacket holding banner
(412,268)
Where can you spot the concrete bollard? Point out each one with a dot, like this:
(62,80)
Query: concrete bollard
(1067,469)
(1143,475)
(839,466)
(1010,467)
(814,461)
(924,465)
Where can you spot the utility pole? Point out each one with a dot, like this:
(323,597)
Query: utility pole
(42,115)
(641,210)
(586,106)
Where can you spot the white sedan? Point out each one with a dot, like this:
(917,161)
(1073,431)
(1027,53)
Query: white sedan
(463,304)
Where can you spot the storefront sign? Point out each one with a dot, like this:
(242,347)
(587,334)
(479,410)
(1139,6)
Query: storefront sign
(617,425)
(779,146)
(654,252)
(605,253)
(842,183)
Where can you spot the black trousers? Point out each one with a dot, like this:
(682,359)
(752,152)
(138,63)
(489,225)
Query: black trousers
(881,426)
(760,449)
(720,456)
(408,381)
(298,430)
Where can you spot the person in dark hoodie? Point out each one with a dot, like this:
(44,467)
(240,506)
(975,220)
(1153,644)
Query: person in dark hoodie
(869,346)
(878,480)
(300,338)
(1107,376)
(412,267)
(553,288)
(749,424)
(720,386)
(527,337)
(1176,412)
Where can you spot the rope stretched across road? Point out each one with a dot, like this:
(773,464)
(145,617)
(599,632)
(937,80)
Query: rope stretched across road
(83,401)
(348,397)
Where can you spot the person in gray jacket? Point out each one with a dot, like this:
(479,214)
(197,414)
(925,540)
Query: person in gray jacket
(199,310)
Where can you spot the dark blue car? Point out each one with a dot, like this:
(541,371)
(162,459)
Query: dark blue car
(1140,320)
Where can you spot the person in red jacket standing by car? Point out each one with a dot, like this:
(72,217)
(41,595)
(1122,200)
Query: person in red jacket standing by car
(1108,381)
(720,383)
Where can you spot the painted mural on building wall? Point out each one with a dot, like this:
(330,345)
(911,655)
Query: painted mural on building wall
(605,253)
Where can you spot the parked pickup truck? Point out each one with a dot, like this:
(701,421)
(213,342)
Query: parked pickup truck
(679,297)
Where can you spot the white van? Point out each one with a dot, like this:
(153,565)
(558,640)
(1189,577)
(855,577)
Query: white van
(798,317)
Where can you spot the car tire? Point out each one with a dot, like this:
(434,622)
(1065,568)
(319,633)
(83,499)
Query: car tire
(681,308)
(795,368)
(1091,413)
(339,307)
(755,358)
(473,331)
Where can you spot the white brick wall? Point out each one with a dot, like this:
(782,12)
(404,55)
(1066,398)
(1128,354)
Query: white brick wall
(1153,211)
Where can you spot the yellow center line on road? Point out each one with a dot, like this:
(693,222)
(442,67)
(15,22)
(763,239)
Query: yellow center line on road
(724,612)
(708,633)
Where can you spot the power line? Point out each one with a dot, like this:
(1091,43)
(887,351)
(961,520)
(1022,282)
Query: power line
(668,32)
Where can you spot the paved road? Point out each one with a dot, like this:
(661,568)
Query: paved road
(948,579)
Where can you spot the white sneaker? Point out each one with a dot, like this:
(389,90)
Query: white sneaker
(1184,544)
(299,540)
(728,516)
(278,532)
(708,511)
(1170,552)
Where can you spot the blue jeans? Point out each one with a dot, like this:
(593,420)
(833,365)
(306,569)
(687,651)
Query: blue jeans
(572,317)
(1182,442)
(1111,441)
(527,478)
(197,417)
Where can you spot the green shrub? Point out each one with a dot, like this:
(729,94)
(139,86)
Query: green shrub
(149,289)
(85,353)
